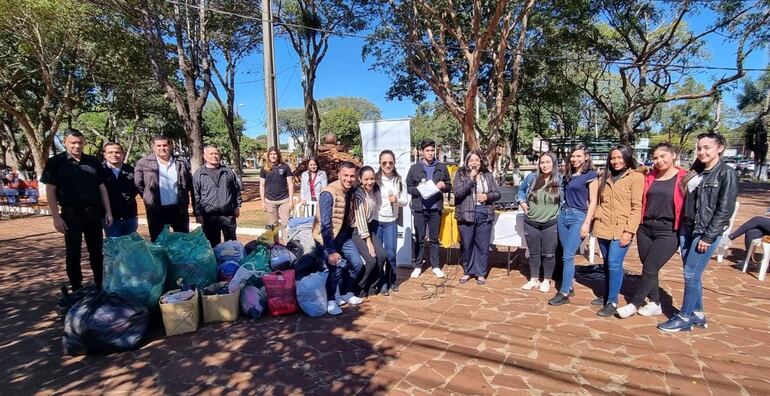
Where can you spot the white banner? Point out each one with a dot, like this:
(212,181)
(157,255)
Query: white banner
(391,135)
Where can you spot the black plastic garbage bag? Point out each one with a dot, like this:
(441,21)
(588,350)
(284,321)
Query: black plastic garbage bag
(67,299)
(104,323)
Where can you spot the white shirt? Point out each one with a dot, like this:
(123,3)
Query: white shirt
(168,181)
(388,212)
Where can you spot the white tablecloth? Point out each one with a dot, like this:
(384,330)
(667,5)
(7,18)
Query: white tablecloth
(509,230)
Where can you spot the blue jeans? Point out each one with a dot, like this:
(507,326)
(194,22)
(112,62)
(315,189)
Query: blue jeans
(694,265)
(388,234)
(568,226)
(344,277)
(121,227)
(613,266)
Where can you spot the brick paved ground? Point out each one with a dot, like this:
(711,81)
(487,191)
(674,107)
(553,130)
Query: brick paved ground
(433,337)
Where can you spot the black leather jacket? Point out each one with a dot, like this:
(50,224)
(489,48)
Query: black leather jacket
(717,194)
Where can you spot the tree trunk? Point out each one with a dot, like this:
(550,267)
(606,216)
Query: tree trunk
(39,157)
(312,118)
(195,135)
(236,142)
(469,130)
(627,135)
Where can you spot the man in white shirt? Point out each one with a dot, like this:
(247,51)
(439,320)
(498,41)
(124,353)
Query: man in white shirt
(165,184)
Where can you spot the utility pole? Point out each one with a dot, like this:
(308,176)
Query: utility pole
(268,42)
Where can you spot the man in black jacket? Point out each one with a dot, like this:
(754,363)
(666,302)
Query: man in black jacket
(119,180)
(217,192)
(79,205)
(165,183)
(427,211)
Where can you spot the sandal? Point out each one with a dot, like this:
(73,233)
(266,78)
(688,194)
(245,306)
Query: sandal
(464,279)
(481,281)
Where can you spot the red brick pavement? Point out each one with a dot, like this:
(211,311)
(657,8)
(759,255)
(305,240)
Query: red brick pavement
(433,337)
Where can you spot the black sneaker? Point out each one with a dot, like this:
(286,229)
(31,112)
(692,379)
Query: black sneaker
(572,292)
(394,288)
(598,301)
(384,290)
(608,310)
(558,299)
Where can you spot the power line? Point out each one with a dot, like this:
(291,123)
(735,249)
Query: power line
(460,48)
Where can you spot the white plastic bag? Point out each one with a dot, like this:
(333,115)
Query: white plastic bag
(244,273)
(311,294)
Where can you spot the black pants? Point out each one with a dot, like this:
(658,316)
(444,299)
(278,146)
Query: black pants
(372,265)
(756,227)
(179,221)
(542,240)
(475,238)
(657,241)
(430,221)
(215,226)
(83,223)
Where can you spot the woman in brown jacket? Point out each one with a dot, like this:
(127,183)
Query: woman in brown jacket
(617,218)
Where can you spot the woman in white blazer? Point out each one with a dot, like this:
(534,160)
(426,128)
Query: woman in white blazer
(312,182)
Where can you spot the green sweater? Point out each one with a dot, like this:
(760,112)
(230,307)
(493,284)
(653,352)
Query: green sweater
(544,210)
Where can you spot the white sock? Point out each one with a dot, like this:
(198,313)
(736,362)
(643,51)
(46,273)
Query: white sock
(699,314)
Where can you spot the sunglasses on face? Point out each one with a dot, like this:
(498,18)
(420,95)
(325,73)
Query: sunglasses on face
(386,163)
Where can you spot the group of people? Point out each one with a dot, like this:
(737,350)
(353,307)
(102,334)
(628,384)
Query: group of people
(355,225)
(665,209)
(89,198)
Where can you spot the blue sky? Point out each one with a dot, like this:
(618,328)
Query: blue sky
(344,73)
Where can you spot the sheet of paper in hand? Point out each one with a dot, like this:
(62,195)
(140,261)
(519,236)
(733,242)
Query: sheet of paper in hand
(428,189)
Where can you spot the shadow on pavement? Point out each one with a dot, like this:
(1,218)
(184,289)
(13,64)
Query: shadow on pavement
(293,354)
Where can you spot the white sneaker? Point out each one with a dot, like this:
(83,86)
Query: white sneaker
(545,286)
(438,272)
(533,283)
(355,300)
(344,299)
(626,311)
(416,272)
(650,309)
(332,308)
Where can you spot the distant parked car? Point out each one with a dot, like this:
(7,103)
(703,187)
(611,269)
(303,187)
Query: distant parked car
(731,163)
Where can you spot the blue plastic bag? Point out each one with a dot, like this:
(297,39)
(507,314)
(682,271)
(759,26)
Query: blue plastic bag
(227,270)
(229,251)
(135,269)
(311,294)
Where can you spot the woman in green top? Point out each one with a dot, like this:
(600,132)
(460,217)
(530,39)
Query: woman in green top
(539,197)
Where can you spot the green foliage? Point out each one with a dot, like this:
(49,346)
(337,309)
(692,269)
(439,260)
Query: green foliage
(365,109)
(432,121)
(683,119)
(343,122)
(292,122)
(215,132)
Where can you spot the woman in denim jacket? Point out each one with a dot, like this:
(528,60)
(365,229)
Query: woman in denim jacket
(539,198)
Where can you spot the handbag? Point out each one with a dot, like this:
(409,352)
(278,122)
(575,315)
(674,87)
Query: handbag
(281,292)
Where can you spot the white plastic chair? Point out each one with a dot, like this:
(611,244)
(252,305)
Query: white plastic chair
(306,210)
(765,242)
(591,246)
(720,251)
